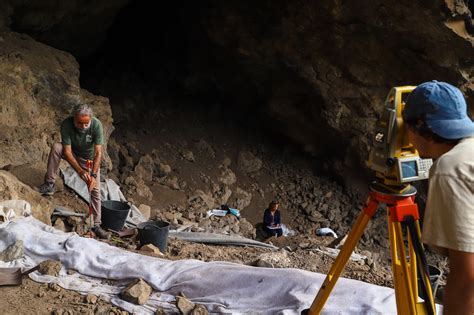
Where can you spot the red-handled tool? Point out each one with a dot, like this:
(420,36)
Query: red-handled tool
(89,164)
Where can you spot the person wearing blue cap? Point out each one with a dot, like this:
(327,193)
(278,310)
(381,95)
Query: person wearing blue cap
(439,127)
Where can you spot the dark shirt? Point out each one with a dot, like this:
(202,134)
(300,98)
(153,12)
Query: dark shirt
(271,220)
(82,144)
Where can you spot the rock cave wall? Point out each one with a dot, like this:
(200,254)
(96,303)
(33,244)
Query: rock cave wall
(317,71)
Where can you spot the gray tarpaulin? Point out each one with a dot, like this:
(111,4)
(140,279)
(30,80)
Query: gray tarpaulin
(218,239)
(109,190)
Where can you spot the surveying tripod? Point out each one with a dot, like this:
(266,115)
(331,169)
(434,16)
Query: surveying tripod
(401,211)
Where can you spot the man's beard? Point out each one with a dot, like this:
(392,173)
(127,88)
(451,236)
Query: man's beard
(83,130)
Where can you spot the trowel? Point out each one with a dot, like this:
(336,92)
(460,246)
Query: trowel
(13,276)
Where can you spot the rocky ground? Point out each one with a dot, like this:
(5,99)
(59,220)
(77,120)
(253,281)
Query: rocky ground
(177,175)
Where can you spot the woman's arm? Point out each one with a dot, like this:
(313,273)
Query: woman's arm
(267,218)
(277,218)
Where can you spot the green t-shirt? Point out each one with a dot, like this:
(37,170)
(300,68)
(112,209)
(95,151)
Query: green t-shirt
(82,144)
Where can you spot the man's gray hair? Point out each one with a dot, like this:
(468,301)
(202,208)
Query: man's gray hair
(82,110)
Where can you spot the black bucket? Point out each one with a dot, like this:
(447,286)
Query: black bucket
(154,232)
(114,214)
(434,274)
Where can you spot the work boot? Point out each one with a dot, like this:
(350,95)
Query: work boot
(100,232)
(47,189)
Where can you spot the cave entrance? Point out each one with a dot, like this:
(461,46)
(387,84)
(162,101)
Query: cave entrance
(160,60)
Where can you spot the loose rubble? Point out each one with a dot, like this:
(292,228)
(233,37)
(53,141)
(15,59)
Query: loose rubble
(137,292)
(184,306)
(13,252)
(249,162)
(91,299)
(150,248)
(50,267)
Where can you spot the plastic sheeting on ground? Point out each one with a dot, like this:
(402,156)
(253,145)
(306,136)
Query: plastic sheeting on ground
(218,239)
(222,287)
(109,190)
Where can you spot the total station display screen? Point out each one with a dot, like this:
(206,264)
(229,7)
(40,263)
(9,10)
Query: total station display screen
(409,169)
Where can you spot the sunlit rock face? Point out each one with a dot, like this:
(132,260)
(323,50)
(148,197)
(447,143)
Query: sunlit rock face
(39,85)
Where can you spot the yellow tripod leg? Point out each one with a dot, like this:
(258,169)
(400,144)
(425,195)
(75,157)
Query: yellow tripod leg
(405,273)
(343,257)
(421,307)
(401,269)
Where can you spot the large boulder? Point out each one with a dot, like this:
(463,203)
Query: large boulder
(38,87)
(12,188)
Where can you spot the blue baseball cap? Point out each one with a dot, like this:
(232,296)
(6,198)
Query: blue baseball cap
(443,108)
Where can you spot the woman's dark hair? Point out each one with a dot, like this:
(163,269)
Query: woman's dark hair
(274,202)
(420,126)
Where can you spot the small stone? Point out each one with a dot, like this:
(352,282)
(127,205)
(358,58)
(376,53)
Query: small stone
(130,181)
(54,287)
(171,216)
(150,248)
(248,162)
(59,225)
(173,183)
(316,216)
(132,246)
(137,292)
(91,299)
(199,310)
(303,245)
(71,271)
(203,146)
(277,259)
(207,198)
(163,170)
(243,198)
(143,190)
(41,294)
(50,267)
(188,155)
(102,310)
(155,154)
(13,252)
(184,305)
(145,210)
(59,311)
(228,177)
(226,162)
(160,311)
(74,221)
(145,168)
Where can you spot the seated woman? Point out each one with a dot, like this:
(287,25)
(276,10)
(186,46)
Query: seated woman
(272,219)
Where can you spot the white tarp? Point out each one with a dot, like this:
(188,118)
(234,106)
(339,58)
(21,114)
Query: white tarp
(222,287)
